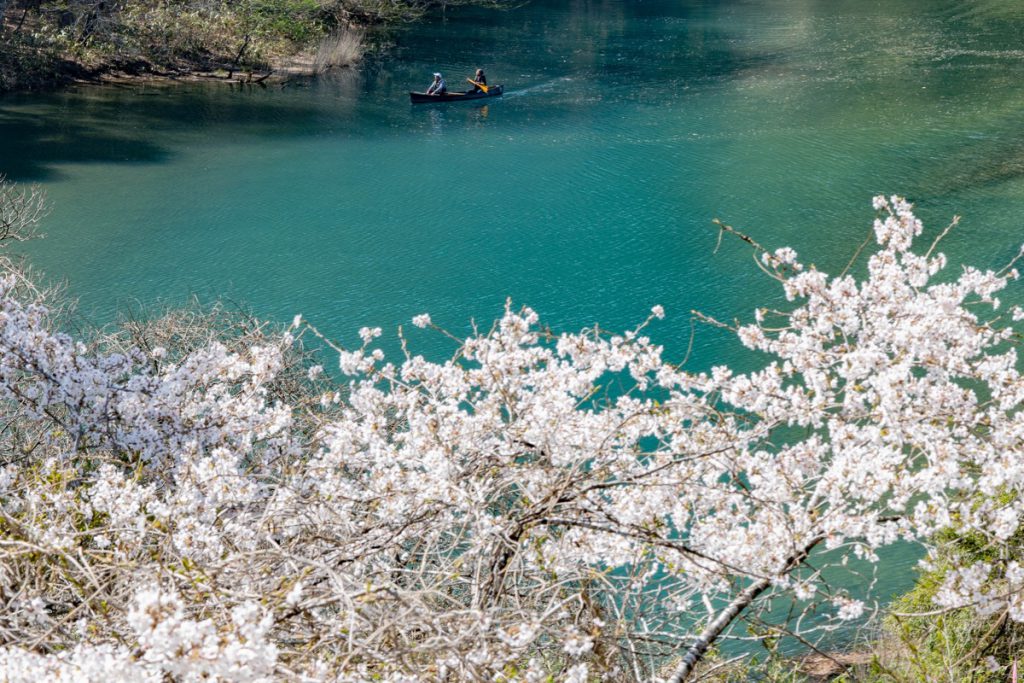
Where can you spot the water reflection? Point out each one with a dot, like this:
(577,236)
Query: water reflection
(37,135)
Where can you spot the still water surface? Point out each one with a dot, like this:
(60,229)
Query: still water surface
(586,192)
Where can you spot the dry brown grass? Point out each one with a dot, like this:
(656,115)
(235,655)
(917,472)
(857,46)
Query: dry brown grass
(343,47)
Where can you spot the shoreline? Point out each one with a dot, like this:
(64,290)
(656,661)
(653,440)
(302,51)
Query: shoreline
(27,67)
(296,68)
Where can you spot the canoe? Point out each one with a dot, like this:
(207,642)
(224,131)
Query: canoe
(423,98)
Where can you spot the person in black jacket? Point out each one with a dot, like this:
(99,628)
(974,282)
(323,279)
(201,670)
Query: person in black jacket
(478,80)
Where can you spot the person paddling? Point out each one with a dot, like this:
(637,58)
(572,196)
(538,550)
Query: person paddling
(438,87)
(479,81)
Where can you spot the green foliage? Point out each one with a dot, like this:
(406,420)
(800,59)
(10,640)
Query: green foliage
(299,21)
(928,644)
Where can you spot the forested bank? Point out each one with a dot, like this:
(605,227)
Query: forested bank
(44,43)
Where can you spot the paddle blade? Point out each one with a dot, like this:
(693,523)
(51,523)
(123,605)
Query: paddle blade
(479,85)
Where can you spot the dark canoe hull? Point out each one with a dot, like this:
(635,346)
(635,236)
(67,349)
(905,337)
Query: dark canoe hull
(423,98)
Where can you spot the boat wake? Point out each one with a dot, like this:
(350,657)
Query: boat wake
(547,86)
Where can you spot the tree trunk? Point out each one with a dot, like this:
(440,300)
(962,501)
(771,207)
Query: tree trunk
(241,50)
(726,616)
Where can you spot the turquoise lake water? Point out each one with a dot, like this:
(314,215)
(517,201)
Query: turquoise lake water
(586,192)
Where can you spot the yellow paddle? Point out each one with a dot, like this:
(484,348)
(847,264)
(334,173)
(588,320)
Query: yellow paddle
(479,85)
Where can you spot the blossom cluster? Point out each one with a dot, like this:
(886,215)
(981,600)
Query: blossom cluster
(537,505)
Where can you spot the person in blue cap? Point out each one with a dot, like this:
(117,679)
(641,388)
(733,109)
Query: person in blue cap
(438,87)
